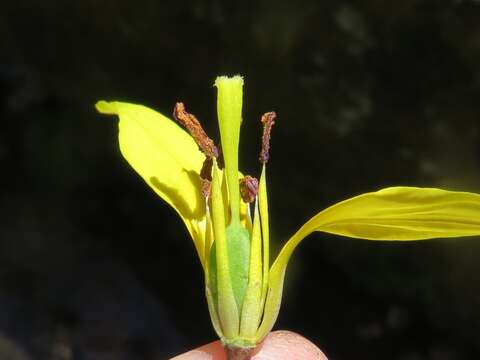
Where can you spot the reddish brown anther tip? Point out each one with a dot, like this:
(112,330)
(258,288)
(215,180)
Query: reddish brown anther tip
(248,188)
(193,126)
(268,119)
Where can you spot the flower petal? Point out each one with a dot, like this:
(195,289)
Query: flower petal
(397,213)
(400,213)
(252,305)
(263,204)
(227,306)
(166,157)
(211,286)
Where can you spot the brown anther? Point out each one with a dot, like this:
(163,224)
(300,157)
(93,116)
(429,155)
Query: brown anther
(206,177)
(206,172)
(248,188)
(268,119)
(206,186)
(191,123)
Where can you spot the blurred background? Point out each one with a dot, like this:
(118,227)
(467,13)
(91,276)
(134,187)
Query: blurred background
(94,266)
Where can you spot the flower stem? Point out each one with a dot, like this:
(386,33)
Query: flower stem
(239,353)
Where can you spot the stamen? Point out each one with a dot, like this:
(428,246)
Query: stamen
(206,177)
(268,119)
(206,187)
(248,188)
(206,172)
(193,126)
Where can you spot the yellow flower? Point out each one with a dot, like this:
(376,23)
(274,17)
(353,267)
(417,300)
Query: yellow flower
(243,292)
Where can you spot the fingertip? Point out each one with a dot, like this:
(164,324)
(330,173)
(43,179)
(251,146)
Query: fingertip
(278,345)
(287,345)
(211,351)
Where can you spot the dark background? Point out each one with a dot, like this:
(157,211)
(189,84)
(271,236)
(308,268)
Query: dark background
(368,94)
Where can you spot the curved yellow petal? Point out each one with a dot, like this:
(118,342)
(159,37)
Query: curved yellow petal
(399,213)
(166,157)
(396,213)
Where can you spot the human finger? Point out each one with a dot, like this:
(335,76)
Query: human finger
(278,345)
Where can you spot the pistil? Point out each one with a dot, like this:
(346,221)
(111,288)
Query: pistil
(229,108)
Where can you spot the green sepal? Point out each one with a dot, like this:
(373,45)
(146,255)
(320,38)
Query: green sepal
(238,244)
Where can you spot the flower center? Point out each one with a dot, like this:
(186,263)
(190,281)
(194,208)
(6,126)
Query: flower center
(229,259)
